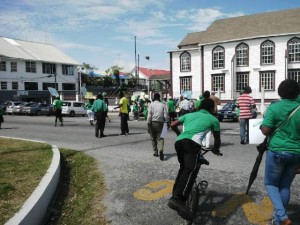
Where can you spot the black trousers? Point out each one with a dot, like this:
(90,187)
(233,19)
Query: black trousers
(58,115)
(124,123)
(172,116)
(188,153)
(100,124)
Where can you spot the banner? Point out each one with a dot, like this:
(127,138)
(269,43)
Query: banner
(53,91)
(255,134)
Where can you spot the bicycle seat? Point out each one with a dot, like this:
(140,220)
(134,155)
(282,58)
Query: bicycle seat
(202,160)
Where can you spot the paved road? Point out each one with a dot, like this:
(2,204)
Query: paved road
(140,184)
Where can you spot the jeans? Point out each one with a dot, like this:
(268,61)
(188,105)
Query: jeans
(279,175)
(244,128)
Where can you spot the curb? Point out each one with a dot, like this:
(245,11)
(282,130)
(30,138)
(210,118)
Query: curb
(35,207)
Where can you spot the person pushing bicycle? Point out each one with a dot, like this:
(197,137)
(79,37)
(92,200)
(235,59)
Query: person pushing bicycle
(188,149)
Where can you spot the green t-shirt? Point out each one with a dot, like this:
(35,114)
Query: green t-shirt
(57,103)
(88,105)
(98,106)
(287,138)
(171,106)
(198,103)
(197,124)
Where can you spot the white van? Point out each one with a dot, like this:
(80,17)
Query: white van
(72,108)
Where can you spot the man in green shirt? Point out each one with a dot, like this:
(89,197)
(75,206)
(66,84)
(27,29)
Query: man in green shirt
(171,109)
(99,108)
(57,103)
(188,148)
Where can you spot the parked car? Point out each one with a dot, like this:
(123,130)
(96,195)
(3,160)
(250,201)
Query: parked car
(34,109)
(47,110)
(19,108)
(73,108)
(11,106)
(227,112)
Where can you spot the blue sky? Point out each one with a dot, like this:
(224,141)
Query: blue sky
(101,32)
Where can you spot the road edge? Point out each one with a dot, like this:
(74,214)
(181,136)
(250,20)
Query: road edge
(35,207)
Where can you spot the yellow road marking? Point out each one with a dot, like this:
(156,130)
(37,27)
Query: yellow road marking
(154,190)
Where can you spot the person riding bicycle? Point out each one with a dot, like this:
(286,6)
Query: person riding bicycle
(188,148)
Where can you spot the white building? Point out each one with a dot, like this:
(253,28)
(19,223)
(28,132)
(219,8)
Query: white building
(257,50)
(27,69)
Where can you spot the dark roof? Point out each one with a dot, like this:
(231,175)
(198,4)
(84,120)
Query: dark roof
(246,27)
(160,77)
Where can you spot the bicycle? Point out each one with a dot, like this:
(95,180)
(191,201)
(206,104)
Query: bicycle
(198,188)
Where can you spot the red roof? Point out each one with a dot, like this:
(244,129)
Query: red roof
(149,72)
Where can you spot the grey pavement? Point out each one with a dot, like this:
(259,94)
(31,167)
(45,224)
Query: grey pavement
(139,184)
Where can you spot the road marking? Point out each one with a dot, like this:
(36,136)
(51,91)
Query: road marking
(154,190)
(255,213)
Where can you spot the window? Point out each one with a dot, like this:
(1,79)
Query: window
(2,66)
(185,84)
(68,87)
(294,50)
(294,74)
(267,52)
(31,86)
(267,80)
(49,68)
(242,80)
(218,57)
(242,53)
(218,82)
(67,70)
(46,85)
(185,62)
(13,67)
(30,67)
(3,85)
(15,85)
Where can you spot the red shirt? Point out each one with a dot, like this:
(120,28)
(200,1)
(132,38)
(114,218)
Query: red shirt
(245,102)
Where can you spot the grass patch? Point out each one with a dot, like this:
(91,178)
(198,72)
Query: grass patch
(80,192)
(22,166)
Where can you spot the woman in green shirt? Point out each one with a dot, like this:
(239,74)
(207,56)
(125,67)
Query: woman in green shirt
(283,155)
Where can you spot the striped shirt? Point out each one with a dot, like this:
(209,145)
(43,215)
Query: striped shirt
(245,102)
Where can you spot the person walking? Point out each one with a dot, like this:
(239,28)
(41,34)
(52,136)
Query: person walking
(281,125)
(135,110)
(90,114)
(171,109)
(57,104)
(107,103)
(198,102)
(123,106)
(1,117)
(188,149)
(157,116)
(185,106)
(99,107)
(246,104)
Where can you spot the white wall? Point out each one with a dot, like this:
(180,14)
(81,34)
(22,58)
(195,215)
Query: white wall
(254,68)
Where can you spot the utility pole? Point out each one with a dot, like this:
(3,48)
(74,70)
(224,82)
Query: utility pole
(148,58)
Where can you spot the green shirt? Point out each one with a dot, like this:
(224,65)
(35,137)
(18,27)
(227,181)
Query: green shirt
(197,124)
(171,106)
(88,105)
(287,138)
(57,103)
(98,106)
(198,103)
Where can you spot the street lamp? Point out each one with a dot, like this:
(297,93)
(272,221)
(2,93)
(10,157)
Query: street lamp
(148,58)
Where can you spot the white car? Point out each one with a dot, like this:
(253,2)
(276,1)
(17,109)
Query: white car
(11,107)
(72,108)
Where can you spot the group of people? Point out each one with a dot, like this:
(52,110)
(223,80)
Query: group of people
(280,125)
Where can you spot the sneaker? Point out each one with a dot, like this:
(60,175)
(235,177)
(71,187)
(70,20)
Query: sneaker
(242,142)
(122,134)
(155,154)
(161,155)
(180,207)
(286,222)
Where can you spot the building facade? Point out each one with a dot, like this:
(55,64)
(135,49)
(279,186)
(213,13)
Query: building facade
(27,69)
(259,50)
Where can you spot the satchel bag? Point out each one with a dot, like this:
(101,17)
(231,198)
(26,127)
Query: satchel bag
(262,147)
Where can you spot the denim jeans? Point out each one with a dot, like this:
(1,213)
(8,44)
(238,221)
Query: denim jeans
(244,128)
(279,175)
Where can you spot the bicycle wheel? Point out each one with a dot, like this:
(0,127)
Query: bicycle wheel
(192,202)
